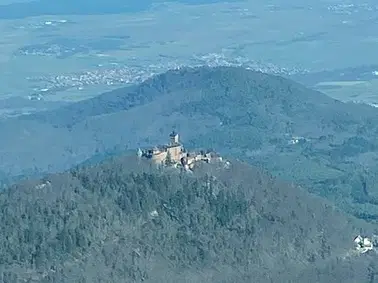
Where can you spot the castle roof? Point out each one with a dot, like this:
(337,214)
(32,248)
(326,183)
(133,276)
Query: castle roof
(161,147)
(172,145)
(173,134)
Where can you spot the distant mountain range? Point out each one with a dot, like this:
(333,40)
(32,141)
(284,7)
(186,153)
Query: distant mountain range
(299,134)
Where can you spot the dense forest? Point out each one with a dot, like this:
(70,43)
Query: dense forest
(128,221)
(124,220)
(240,113)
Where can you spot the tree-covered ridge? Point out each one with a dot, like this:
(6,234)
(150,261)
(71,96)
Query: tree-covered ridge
(196,100)
(240,113)
(126,221)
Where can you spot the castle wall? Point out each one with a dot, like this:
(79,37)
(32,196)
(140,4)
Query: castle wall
(175,152)
(159,157)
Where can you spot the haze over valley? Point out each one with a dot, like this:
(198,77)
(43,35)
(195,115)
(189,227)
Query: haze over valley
(270,174)
(66,61)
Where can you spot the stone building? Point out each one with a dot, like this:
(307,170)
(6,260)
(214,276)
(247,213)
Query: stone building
(173,153)
(174,148)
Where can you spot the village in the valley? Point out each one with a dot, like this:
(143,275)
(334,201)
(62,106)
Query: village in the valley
(174,154)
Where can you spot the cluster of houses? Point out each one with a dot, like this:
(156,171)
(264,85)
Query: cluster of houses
(365,244)
(174,154)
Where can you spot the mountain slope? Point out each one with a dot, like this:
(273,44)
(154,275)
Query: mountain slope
(250,115)
(263,92)
(124,221)
(351,269)
(107,103)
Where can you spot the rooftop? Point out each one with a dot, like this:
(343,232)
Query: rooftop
(173,134)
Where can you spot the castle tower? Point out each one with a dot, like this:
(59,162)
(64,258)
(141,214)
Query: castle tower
(174,138)
(139,152)
(174,148)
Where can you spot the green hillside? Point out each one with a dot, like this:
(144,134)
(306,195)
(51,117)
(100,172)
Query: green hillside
(125,221)
(241,113)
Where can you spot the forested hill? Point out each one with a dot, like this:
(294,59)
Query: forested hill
(296,133)
(205,89)
(126,221)
(229,108)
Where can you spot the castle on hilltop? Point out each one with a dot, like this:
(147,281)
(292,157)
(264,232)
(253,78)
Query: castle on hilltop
(174,154)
